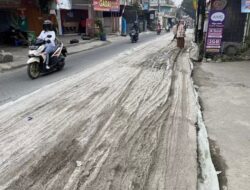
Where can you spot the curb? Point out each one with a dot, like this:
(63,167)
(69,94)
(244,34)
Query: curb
(9,66)
(207,174)
(79,43)
(74,52)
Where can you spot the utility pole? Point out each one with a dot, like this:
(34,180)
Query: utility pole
(203,14)
(158,7)
(197,21)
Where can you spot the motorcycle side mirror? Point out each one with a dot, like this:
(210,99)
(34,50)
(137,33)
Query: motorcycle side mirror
(49,36)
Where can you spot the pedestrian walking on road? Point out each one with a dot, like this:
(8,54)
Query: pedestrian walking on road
(179,32)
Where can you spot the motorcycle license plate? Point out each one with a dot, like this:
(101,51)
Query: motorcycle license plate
(33,47)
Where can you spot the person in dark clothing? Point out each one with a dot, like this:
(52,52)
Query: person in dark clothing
(82,26)
(135,26)
(15,36)
(134,32)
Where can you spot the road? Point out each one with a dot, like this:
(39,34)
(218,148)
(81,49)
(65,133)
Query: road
(127,123)
(15,84)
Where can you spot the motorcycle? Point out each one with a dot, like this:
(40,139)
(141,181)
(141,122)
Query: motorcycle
(37,59)
(158,31)
(167,28)
(133,36)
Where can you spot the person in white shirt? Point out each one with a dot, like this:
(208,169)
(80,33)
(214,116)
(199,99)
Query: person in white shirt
(49,36)
(179,33)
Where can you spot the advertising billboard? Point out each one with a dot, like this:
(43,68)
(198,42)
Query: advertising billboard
(64,4)
(215,31)
(245,6)
(106,5)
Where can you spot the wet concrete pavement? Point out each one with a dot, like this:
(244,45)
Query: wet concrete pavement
(125,123)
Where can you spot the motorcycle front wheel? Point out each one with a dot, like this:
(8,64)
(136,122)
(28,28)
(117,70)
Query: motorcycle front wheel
(33,70)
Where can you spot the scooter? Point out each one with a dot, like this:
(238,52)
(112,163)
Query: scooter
(134,36)
(167,29)
(37,59)
(158,31)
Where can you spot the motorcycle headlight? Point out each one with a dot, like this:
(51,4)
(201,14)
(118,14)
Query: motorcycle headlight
(31,53)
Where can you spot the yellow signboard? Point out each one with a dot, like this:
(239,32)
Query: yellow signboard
(195,4)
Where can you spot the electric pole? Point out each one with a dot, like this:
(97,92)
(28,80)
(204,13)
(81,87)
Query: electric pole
(158,7)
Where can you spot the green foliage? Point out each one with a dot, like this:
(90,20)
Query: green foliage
(98,23)
(170,2)
(136,5)
(248,41)
(187,6)
(101,33)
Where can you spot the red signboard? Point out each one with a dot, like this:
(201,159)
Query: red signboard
(106,5)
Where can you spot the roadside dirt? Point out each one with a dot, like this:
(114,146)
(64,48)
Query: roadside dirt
(127,126)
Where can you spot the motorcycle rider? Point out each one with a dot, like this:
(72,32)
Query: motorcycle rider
(158,26)
(49,36)
(167,27)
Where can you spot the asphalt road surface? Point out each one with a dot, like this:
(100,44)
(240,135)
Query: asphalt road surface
(15,84)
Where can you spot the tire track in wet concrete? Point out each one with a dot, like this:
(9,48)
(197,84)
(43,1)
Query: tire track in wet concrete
(126,126)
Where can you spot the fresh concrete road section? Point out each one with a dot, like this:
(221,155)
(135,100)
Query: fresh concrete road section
(125,124)
(224,89)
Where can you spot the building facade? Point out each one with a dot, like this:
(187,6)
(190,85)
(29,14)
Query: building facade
(233,34)
(25,17)
(165,11)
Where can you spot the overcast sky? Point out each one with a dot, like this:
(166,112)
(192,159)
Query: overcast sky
(177,2)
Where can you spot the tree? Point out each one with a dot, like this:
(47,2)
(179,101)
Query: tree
(187,7)
(170,2)
(136,5)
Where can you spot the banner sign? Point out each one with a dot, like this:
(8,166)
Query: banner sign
(145,6)
(215,31)
(106,5)
(245,6)
(64,4)
(195,4)
(219,4)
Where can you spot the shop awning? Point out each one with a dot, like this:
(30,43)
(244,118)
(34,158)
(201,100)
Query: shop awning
(10,3)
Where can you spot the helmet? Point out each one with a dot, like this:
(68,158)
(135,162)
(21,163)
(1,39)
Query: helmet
(47,25)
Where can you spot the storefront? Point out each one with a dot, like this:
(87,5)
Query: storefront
(109,12)
(8,19)
(218,30)
(74,20)
(22,19)
(36,11)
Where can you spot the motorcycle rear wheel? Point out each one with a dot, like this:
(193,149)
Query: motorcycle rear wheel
(60,66)
(33,70)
